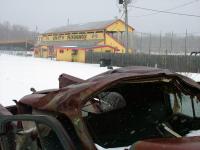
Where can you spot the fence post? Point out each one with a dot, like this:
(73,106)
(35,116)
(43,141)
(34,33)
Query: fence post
(171,42)
(122,59)
(166,54)
(149,64)
(186,42)
(92,57)
(160,42)
(141,43)
(186,59)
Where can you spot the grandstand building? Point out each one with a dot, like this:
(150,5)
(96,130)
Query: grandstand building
(71,40)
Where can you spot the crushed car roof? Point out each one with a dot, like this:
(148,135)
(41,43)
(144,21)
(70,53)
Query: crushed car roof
(72,97)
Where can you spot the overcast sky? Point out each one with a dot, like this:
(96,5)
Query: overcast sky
(46,14)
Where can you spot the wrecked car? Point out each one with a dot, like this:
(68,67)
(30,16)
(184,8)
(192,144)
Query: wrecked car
(129,108)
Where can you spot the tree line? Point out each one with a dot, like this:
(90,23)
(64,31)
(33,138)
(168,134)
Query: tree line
(9,32)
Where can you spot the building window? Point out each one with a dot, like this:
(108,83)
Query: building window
(61,51)
(44,49)
(99,31)
(107,51)
(74,52)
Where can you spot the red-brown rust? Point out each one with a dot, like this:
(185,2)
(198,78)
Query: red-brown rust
(185,143)
(4,111)
(65,80)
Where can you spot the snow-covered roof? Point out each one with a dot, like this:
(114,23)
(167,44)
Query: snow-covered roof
(82,27)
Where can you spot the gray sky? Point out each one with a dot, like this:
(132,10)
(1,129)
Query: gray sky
(46,14)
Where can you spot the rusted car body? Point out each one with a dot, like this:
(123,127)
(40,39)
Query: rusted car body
(138,107)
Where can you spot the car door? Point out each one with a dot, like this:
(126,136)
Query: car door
(33,132)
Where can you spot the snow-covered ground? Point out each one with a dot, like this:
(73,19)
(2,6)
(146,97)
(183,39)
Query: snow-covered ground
(194,76)
(18,74)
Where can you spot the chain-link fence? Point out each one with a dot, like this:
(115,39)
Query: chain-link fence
(165,44)
(178,63)
(171,51)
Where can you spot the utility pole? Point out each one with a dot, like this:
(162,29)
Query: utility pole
(126,23)
(125,5)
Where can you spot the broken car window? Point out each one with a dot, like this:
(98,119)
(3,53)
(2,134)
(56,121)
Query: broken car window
(182,103)
(28,135)
(197,107)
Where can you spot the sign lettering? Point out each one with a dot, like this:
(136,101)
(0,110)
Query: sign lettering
(69,36)
(77,37)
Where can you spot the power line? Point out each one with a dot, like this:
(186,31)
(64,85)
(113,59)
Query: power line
(122,15)
(176,7)
(132,7)
(167,12)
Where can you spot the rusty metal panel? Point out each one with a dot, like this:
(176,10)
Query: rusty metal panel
(65,80)
(186,143)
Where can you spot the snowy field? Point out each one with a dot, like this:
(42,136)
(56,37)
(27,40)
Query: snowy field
(18,74)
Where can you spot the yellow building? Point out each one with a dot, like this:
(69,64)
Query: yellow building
(72,54)
(77,54)
(87,36)
(44,51)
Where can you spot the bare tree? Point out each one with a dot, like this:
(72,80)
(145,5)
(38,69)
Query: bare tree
(10,32)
